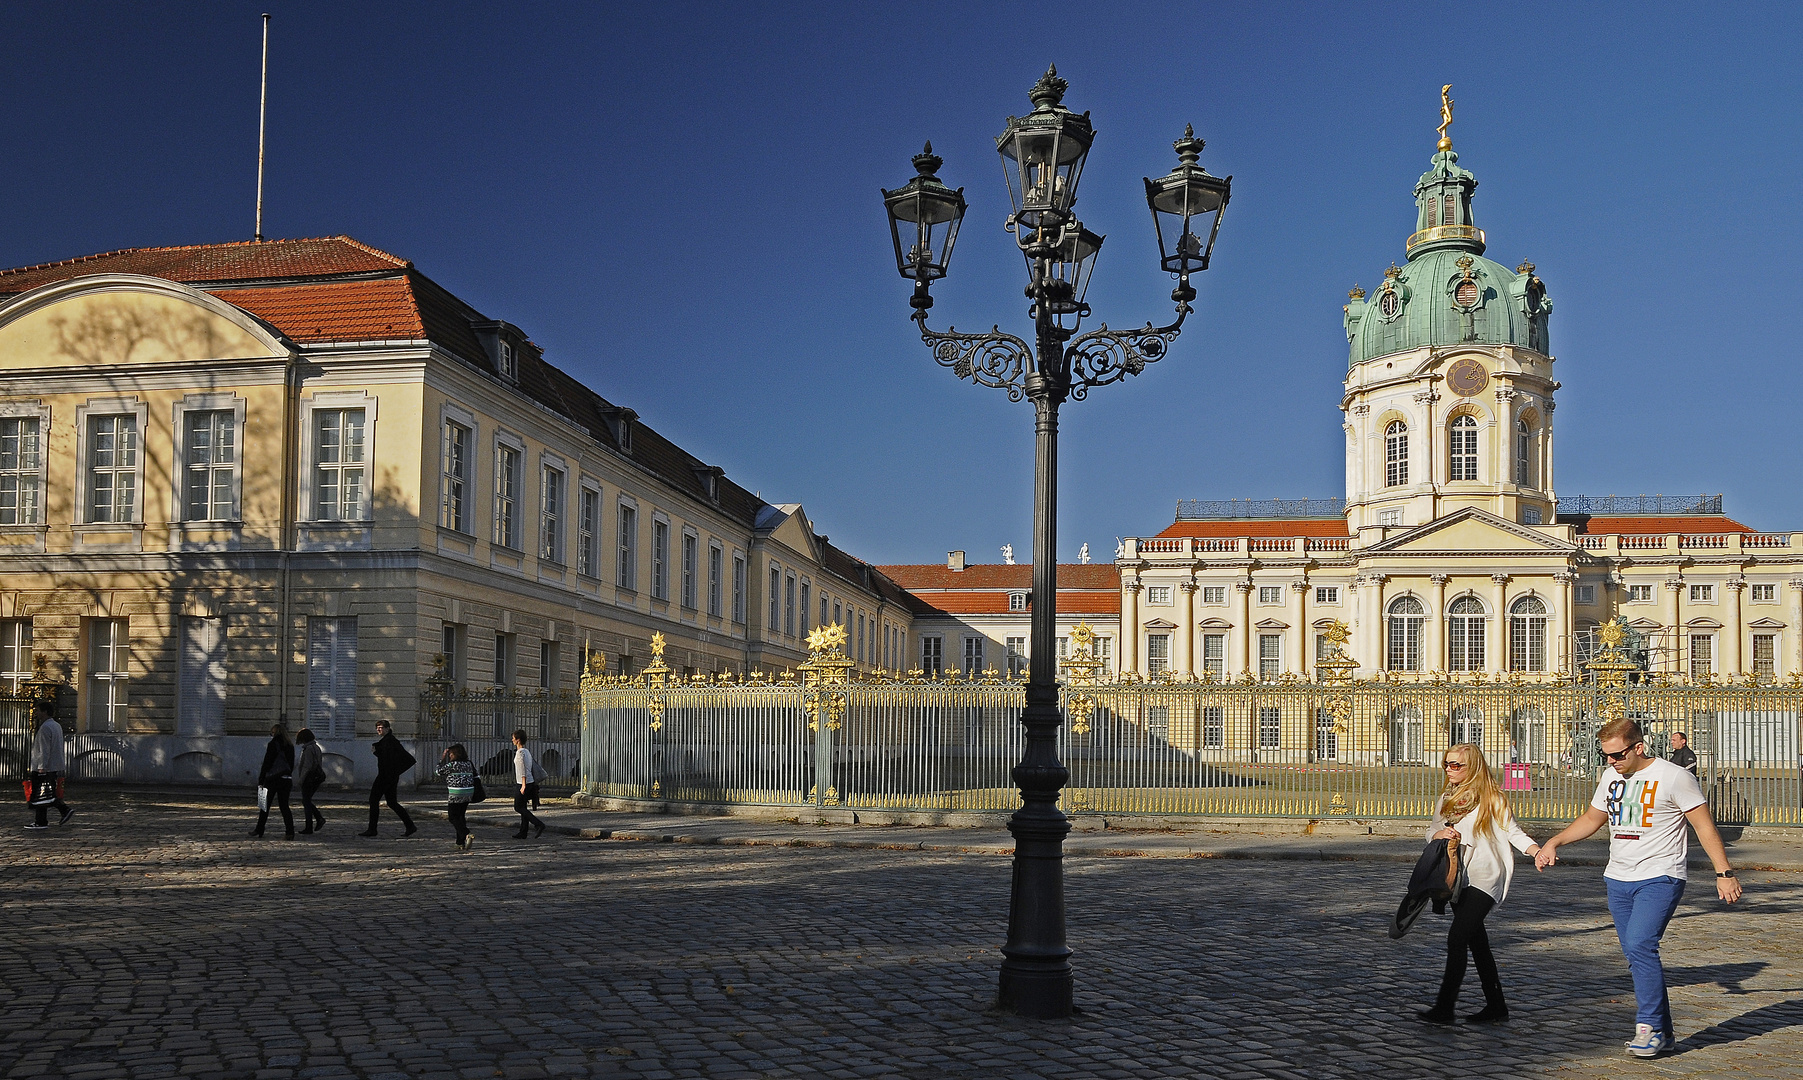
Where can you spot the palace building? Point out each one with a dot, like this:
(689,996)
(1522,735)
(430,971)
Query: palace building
(250,481)
(1452,551)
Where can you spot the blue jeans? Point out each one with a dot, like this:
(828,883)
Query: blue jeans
(1641,910)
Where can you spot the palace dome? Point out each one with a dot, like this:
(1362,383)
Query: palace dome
(1447,293)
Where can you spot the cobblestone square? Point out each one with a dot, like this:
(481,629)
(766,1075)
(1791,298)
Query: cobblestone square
(151,938)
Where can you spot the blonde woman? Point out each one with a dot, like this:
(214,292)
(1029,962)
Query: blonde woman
(1474,814)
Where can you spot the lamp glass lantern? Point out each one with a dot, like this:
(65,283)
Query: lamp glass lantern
(924,216)
(1042,156)
(1068,271)
(1187,204)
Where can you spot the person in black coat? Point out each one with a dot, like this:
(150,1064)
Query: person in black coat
(392,759)
(277,775)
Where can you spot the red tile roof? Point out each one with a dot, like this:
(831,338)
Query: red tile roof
(1002,576)
(382,310)
(1260,527)
(1599,523)
(247,260)
(1070,602)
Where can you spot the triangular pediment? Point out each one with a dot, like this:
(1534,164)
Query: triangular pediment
(1161,624)
(1767,623)
(788,525)
(1643,624)
(1271,624)
(1472,531)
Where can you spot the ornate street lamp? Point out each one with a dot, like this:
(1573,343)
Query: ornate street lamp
(1042,157)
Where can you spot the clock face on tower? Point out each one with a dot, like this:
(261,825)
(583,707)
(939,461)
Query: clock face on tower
(1467,377)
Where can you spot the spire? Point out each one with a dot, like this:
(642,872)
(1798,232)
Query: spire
(1443,197)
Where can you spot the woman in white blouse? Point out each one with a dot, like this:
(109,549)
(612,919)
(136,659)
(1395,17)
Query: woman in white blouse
(1474,814)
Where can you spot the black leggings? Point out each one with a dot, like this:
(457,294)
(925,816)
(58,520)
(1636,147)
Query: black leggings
(387,787)
(311,812)
(278,796)
(456,812)
(1467,934)
(522,803)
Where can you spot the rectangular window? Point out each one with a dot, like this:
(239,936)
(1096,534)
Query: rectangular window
(507,497)
(1530,515)
(627,572)
(1389,517)
(1702,655)
(775,619)
(550,516)
(202,677)
(332,677)
(453,500)
(691,557)
(588,534)
(660,559)
(211,452)
(1105,653)
(504,659)
(1702,594)
(1017,656)
(806,595)
(1396,456)
(1270,656)
(1270,728)
(21,471)
(863,654)
(1158,722)
(451,646)
(1214,727)
(547,664)
(1017,601)
(738,588)
(1214,654)
(15,653)
(1463,449)
(338,464)
(973,655)
(509,367)
(1270,594)
(112,468)
(932,655)
(1586,594)
(109,658)
(789,605)
(1765,594)
(1640,594)
(1765,654)
(1322,648)
(1214,594)
(1524,449)
(1158,653)
(714,555)
(1158,596)
(1327,594)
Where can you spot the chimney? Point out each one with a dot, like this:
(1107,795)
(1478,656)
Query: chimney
(954,560)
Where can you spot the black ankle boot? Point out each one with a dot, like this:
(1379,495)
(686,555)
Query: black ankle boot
(1494,1013)
(1439,1014)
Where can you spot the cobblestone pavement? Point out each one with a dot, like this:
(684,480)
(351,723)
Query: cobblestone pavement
(151,938)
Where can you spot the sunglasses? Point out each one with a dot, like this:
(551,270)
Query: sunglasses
(1607,756)
(1452,764)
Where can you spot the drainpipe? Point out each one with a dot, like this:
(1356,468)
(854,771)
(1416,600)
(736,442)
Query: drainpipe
(287,538)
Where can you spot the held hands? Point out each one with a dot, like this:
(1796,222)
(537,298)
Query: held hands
(1546,856)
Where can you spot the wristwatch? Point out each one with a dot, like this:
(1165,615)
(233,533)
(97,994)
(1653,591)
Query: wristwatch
(1724,873)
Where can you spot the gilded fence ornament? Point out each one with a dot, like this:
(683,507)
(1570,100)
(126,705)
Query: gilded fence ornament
(1611,667)
(438,690)
(655,677)
(824,674)
(1081,668)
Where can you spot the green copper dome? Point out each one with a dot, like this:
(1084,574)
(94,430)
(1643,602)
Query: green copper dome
(1448,293)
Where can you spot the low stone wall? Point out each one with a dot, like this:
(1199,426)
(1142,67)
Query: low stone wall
(225,760)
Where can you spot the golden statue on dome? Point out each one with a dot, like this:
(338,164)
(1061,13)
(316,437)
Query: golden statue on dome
(1445,116)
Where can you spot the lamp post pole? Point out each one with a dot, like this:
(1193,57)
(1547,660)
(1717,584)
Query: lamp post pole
(1042,157)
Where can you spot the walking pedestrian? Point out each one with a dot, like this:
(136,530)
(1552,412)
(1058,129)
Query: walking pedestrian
(276,778)
(392,760)
(1682,755)
(310,766)
(459,778)
(526,773)
(46,769)
(1473,814)
(1646,802)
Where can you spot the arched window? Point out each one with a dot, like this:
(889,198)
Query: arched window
(1449,216)
(1524,453)
(1396,454)
(1407,733)
(1463,448)
(1465,635)
(1406,616)
(1527,635)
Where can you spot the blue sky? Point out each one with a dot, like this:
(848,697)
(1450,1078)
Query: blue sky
(679,202)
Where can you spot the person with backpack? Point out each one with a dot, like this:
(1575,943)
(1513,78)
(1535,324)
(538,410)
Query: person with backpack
(276,778)
(392,760)
(311,768)
(462,787)
(1474,814)
(526,773)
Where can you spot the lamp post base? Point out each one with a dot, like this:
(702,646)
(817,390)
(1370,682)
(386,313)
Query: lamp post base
(1034,993)
(1036,971)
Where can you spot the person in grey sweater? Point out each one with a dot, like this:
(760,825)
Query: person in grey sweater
(47,766)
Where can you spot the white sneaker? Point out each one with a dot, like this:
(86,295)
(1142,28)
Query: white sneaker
(469,843)
(1648,1043)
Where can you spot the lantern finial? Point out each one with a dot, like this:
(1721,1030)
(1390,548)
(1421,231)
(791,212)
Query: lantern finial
(1049,90)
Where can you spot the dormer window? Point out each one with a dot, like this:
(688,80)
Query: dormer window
(510,367)
(1017,601)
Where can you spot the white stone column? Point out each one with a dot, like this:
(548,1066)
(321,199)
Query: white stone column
(1497,648)
(1130,589)
(1796,625)
(1301,659)
(1379,652)
(1673,660)
(1734,632)
(1436,626)
(1565,621)
(1186,629)
(1242,630)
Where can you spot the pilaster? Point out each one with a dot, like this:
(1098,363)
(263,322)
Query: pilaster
(1130,589)
(1186,628)
(1673,660)
(1242,629)
(1497,630)
(1436,626)
(1734,630)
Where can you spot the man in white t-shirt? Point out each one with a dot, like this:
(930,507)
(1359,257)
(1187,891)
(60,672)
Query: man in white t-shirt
(1646,802)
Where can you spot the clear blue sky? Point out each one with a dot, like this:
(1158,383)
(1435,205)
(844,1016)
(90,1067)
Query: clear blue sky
(680,204)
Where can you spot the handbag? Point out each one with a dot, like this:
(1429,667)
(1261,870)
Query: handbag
(538,771)
(481,794)
(40,790)
(262,799)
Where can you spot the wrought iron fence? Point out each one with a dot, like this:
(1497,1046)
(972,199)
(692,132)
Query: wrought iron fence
(1282,749)
(484,722)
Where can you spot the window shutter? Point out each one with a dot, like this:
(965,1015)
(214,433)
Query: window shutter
(332,677)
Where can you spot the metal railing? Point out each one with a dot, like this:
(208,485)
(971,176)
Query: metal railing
(1206,509)
(484,722)
(1283,749)
(1640,504)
